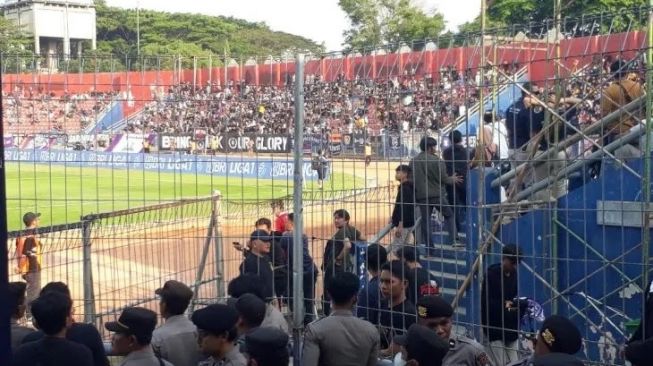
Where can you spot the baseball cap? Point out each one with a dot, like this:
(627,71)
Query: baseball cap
(135,321)
(433,307)
(175,289)
(216,318)
(423,345)
(29,217)
(561,335)
(266,342)
(557,359)
(260,235)
(251,308)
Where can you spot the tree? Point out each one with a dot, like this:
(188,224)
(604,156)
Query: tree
(11,37)
(376,23)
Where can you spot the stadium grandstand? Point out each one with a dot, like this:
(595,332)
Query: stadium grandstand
(492,188)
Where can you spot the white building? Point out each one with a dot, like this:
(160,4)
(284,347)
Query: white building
(59,27)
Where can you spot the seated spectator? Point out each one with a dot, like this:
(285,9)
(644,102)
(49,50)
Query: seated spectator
(176,339)
(82,333)
(251,312)
(420,282)
(357,341)
(251,284)
(397,312)
(422,347)
(257,261)
(18,307)
(132,337)
(52,313)
(267,347)
(369,297)
(217,334)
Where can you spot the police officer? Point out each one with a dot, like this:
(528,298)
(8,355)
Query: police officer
(357,341)
(267,346)
(558,336)
(422,347)
(435,313)
(217,334)
(132,337)
(176,339)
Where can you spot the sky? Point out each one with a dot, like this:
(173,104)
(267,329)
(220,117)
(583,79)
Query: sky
(319,20)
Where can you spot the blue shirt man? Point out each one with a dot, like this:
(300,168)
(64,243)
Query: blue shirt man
(369,297)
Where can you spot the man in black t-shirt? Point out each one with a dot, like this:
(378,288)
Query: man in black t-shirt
(397,312)
(420,282)
(53,314)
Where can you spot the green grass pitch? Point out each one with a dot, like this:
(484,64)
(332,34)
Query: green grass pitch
(63,194)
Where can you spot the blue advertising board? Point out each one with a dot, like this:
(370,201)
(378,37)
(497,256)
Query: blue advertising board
(220,166)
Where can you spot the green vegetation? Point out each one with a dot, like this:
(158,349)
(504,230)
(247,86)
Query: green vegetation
(63,194)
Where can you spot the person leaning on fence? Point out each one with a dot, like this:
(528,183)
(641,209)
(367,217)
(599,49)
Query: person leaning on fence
(17,306)
(266,347)
(339,250)
(28,255)
(52,314)
(430,179)
(436,314)
(81,333)
(557,341)
(132,337)
(403,213)
(369,297)
(176,339)
(341,338)
(216,335)
(251,284)
(499,315)
(257,260)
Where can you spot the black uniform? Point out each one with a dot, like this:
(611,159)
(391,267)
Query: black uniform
(259,266)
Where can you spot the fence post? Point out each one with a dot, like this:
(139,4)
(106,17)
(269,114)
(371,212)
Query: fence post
(205,253)
(89,295)
(217,240)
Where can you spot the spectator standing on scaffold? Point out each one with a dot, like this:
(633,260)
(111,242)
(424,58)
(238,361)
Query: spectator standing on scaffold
(28,254)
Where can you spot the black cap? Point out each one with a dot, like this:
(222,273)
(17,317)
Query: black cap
(429,307)
(29,217)
(423,345)
(557,359)
(175,289)
(251,308)
(266,342)
(216,318)
(561,335)
(136,321)
(260,235)
(639,352)
(427,142)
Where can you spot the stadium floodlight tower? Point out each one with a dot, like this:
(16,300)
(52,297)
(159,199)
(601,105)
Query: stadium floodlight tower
(59,27)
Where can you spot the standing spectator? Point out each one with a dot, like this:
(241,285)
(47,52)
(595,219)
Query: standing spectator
(357,341)
(132,337)
(430,178)
(52,313)
(309,269)
(368,154)
(320,163)
(457,160)
(251,284)
(257,261)
(369,296)
(176,339)
(499,315)
(82,333)
(397,312)
(216,327)
(422,347)
(280,216)
(17,307)
(435,313)
(28,253)
(558,338)
(251,312)
(518,128)
(403,214)
(420,281)
(339,250)
(267,347)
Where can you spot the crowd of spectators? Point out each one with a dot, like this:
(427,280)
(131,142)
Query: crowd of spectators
(29,111)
